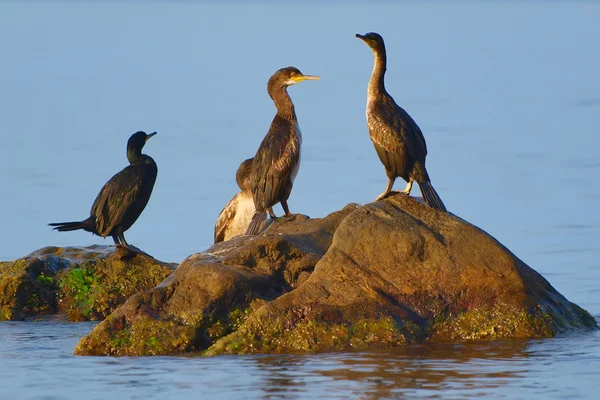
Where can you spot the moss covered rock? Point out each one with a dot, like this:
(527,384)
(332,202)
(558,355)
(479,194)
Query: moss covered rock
(85,283)
(384,274)
(28,287)
(212,293)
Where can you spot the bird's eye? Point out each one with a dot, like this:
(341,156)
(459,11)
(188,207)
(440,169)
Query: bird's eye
(293,73)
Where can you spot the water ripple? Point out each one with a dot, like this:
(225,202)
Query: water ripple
(464,370)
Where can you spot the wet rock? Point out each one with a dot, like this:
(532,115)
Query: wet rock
(85,283)
(384,274)
(211,293)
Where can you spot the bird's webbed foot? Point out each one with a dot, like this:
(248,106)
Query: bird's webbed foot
(388,192)
(293,217)
(385,195)
(407,189)
(125,250)
(130,251)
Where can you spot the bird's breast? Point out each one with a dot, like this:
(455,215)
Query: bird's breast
(236,216)
(244,213)
(298,132)
(374,121)
(298,144)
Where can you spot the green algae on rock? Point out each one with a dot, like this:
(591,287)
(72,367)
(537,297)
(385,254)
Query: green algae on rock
(382,275)
(211,294)
(28,288)
(85,283)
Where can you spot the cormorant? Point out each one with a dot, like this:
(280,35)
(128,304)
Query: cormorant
(237,214)
(398,139)
(123,198)
(277,160)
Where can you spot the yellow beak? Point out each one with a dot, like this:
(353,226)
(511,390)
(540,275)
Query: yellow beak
(300,78)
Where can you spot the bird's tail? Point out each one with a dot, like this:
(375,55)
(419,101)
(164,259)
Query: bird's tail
(72,226)
(254,225)
(431,197)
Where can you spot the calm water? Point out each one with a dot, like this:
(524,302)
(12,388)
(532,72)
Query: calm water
(36,364)
(507,95)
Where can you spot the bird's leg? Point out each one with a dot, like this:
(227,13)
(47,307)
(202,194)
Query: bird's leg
(272,213)
(131,250)
(388,189)
(116,239)
(408,188)
(286,209)
(124,242)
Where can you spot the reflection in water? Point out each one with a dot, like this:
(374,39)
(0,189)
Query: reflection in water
(396,372)
(562,366)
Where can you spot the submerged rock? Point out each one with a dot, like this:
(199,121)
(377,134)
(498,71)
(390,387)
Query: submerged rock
(85,283)
(384,274)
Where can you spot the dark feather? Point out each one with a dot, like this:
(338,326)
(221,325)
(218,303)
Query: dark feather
(254,226)
(123,198)
(431,197)
(87,225)
(274,163)
(398,139)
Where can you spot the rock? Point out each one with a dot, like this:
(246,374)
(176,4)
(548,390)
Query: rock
(211,293)
(85,283)
(385,274)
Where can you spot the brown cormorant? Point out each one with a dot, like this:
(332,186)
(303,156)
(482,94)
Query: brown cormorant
(398,139)
(277,160)
(237,214)
(123,198)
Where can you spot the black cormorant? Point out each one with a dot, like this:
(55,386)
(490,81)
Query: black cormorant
(277,160)
(237,214)
(398,139)
(123,198)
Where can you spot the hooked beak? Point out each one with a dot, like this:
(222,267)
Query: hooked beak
(361,37)
(150,135)
(300,78)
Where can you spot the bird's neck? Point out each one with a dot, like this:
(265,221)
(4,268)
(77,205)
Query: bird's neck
(135,156)
(245,187)
(376,83)
(283,102)
(243,182)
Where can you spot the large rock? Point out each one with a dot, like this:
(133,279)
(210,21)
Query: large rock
(396,272)
(85,283)
(211,293)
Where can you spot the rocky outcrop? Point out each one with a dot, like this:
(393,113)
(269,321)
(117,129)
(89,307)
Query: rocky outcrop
(399,271)
(85,283)
(212,293)
(384,274)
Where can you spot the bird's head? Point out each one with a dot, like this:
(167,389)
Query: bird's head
(135,144)
(242,177)
(138,140)
(288,76)
(374,40)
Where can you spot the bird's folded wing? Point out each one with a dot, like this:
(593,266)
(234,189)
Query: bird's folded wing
(396,128)
(116,197)
(273,165)
(225,217)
